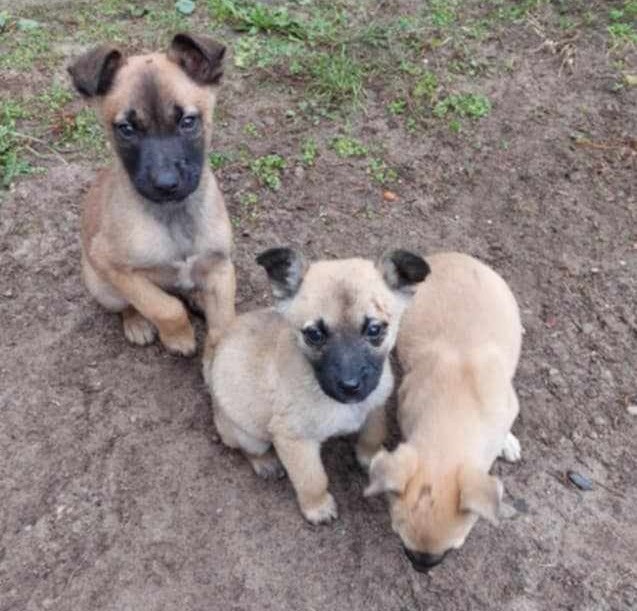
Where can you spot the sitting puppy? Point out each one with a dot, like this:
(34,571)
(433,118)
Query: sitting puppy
(458,344)
(314,369)
(155,222)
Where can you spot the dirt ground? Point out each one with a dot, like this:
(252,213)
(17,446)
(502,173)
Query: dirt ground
(114,491)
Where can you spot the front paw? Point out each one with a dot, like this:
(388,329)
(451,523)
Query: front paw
(137,329)
(364,456)
(322,512)
(511,451)
(182,342)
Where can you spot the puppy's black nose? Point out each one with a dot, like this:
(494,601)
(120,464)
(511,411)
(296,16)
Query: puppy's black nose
(350,386)
(422,561)
(166,181)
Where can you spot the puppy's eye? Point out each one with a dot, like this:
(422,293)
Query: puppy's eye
(189,122)
(126,130)
(374,330)
(314,336)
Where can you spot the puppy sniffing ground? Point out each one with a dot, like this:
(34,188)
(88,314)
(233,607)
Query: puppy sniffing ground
(315,367)
(459,344)
(155,222)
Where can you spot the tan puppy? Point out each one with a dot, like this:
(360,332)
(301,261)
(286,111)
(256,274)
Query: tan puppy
(155,221)
(459,343)
(314,369)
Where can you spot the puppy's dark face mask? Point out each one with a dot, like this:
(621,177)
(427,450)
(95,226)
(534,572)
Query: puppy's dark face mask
(347,361)
(161,144)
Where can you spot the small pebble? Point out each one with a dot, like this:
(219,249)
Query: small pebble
(390,196)
(580,481)
(600,421)
(632,410)
(588,328)
(595,270)
(8,294)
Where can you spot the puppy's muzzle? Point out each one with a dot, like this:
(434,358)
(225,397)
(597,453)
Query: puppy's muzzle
(422,561)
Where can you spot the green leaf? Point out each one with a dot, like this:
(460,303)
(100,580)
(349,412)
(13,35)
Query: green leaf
(4,17)
(185,7)
(26,25)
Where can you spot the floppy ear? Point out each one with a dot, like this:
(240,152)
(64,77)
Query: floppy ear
(391,471)
(480,493)
(93,72)
(200,57)
(402,270)
(285,268)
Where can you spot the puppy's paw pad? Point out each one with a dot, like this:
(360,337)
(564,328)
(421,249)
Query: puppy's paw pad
(322,513)
(267,467)
(138,330)
(511,452)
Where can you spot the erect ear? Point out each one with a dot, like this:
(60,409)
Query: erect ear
(285,268)
(93,72)
(391,471)
(402,270)
(200,57)
(480,493)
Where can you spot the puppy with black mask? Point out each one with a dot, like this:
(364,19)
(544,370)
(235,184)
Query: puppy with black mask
(154,224)
(315,367)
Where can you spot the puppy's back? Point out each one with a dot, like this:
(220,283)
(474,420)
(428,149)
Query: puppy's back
(463,307)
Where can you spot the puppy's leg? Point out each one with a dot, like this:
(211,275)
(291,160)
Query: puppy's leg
(267,465)
(302,461)
(371,437)
(259,453)
(219,287)
(511,450)
(164,311)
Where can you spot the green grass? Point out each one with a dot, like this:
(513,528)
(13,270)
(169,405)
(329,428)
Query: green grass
(23,48)
(309,152)
(83,130)
(256,17)
(463,105)
(380,172)
(268,170)
(345,146)
(219,159)
(622,30)
(12,160)
(336,78)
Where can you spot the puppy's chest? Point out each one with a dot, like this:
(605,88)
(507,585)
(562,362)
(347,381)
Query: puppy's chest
(173,252)
(341,419)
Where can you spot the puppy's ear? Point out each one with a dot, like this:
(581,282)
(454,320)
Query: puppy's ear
(391,471)
(285,268)
(200,57)
(480,493)
(93,73)
(403,270)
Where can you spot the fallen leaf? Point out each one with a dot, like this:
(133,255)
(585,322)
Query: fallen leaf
(185,7)
(26,25)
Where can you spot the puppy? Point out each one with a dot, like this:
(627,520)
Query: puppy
(155,222)
(315,367)
(458,344)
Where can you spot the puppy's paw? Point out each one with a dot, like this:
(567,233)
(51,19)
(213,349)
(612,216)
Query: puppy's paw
(137,329)
(511,451)
(323,512)
(182,343)
(267,466)
(364,456)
